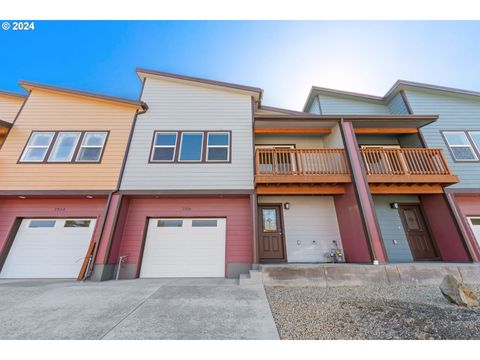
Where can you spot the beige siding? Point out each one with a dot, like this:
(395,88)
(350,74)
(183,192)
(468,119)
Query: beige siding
(300,141)
(55,112)
(177,106)
(9,107)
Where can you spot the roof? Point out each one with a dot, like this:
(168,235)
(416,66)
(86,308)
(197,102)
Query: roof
(399,84)
(113,99)
(5,124)
(13,94)
(255,91)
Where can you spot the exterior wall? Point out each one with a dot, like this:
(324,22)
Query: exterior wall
(235,209)
(310,226)
(469,205)
(455,113)
(334,140)
(397,105)
(349,216)
(175,106)
(300,141)
(314,107)
(392,228)
(51,111)
(335,105)
(410,141)
(9,107)
(377,140)
(10,209)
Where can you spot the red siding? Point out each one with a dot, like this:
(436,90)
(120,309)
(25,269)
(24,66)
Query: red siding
(354,241)
(469,205)
(236,210)
(10,209)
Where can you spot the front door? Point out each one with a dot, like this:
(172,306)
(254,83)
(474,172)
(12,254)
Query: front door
(421,243)
(270,237)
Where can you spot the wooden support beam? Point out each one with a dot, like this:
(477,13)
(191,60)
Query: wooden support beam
(386,131)
(300,189)
(305,179)
(293,131)
(396,189)
(437,179)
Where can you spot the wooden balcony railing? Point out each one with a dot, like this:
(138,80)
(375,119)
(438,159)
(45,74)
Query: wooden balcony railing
(407,165)
(301,166)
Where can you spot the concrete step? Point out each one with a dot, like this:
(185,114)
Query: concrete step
(254,277)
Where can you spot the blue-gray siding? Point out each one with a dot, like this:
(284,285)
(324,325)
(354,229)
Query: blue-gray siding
(332,105)
(397,105)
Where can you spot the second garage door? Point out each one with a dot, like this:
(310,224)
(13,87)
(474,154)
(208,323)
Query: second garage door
(48,248)
(184,248)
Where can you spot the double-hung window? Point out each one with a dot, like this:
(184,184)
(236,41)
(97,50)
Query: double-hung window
(37,146)
(475,136)
(91,147)
(460,146)
(218,146)
(64,147)
(191,147)
(164,147)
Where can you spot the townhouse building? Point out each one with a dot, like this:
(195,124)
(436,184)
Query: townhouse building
(197,178)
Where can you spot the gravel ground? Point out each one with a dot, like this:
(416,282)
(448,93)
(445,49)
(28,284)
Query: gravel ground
(377,312)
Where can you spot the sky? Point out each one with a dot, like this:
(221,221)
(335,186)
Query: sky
(285,58)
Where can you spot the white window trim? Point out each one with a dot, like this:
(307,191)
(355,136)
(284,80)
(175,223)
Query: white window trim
(164,146)
(180,147)
(218,146)
(473,142)
(466,145)
(74,146)
(82,146)
(28,147)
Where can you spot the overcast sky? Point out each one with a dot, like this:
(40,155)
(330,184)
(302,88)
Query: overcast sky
(283,58)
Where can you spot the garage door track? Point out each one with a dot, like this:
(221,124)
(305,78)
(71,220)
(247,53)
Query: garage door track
(134,309)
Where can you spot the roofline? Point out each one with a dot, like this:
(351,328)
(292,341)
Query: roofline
(13,94)
(256,90)
(26,84)
(5,124)
(346,117)
(282,110)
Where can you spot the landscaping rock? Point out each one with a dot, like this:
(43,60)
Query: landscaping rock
(457,293)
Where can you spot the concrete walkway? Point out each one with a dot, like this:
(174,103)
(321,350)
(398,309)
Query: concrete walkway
(134,309)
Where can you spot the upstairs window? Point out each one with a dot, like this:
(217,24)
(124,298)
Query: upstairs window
(475,136)
(191,146)
(218,146)
(91,148)
(37,146)
(460,146)
(64,147)
(164,147)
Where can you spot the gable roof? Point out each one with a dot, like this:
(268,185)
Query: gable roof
(18,96)
(28,85)
(249,90)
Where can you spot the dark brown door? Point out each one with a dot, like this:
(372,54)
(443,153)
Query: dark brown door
(417,233)
(270,237)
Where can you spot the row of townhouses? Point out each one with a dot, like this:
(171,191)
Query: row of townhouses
(197,178)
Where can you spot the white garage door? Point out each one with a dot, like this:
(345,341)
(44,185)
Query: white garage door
(475,223)
(184,248)
(48,248)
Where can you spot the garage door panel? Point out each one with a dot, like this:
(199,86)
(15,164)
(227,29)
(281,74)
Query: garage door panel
(186,251)
(48,252)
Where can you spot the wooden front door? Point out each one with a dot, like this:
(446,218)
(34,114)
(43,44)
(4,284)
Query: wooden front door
(270,237)
(418,236)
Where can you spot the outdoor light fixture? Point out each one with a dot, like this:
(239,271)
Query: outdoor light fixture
(22,197)
(286,206)
(394,205)
(89,197)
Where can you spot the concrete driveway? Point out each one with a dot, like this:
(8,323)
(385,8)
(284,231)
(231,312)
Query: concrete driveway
(134,309)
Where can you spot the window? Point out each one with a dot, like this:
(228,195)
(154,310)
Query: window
(204,223)
(164,145)
(42,224)
(64,147)
(191,146)
(92,147)
(170,223)
(77,223)
(37,146)
(218,146)
(460,146)
(475,136)
(269,220)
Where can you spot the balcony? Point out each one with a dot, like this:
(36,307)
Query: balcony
(301,166)
(407,166)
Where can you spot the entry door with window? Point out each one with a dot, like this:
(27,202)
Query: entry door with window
(270,238)
(417,233)
(277,162)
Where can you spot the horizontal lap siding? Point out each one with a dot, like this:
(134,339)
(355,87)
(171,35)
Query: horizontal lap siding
(236,210)
(469,205)
(55,208)
(9,107)
(51,112)
(175,106)
(332,105)
(300,142)
(455,113)
(397,105)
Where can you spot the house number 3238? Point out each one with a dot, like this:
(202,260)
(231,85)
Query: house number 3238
(186,209)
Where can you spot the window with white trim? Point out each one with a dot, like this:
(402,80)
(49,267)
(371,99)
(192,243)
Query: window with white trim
(475,136)
(91,147)
(37,146)
(218,146)
(64,147)
(460,146)
(191,146)
(164,146)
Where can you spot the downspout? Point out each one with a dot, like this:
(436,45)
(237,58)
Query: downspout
(89,270)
